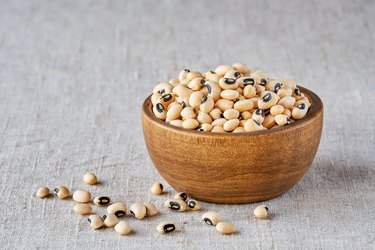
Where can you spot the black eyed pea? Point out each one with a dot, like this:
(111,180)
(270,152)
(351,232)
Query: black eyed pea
(245,81)
(195,99)
(239,130)
(207,104)
(110,220)
(216,113)
(173,104)
(211,218)
(230,94)
(42,192)
(246,115)
(151,210)
(282,120)
(159,111)
(102,201)
(249,91)
(287,102)
(218,129)
(225,227)
(300,111)
(166,227)
(122,228)
(303,100)
(269,121)
(204,118)
(243,105)
(258,115)
(231,124)
(194,205)
(182,75)
(176,204)
(277,110)
(188,113)
(259,75)
(193,74)
(287,112)
(242,68)
(261,212)
(154,98)
(206,127)
(252,125)
(213,90)
(288,83)
(166,99)
(174,112)
(190,124)
(118,209)
(174,81)
(184,102)
(157,188)
(268,100)
(223,104)
(90,178)
(284,92)
(177,123)
(81,196)
(232,74)
(61,192)
(212,76)
(274,85)
(296,93)
(222,69)
(182,91)
(181,196)
(82,209)
(163,88)
(260,89)
(219,122)
(228,83)
(231,114)
(138,210)
(95,221)
(184,83)
(196,84)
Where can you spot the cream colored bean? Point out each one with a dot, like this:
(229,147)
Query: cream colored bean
(102,201)
(284,92)
(95,221)
(223,104)
(245,81)
(82,209)
(138,210)
(213,90)
(166,99)
(206,127)
(110,220)
(300,111)
(184,83)
(196,84)
(249,91)
(282,120)
(239,130)
(218,129)
(123,228)
(193,74)
(242,68)
(181,196)
(166,227)
(177,123)
(182,91)
(245,115)
(268,100)
(231,114)
(219,122)
(194,205)
(287,102)
(90,178)
(260,89)
(252,125)
(232,74)
(225,227)
(216,113)
(261,212)
(183,74)
(243,105)
(211,218)
(258,115)
(81,196)
(159,111)
(255,101)
(61,192)
(303,100)
(190,124)
(196,99)
(274,85)
(289,83)
(174,81)
(118,209)
(277,110)
(296,93)
(154,98)
(231,124)
(176,204)
(204,118)
(207,104)
(163,88)
(151,210)
(188,113)
(174,112)
(212,76)
(157,188)
(229,94)
(269,121)
(42,192)
(228,83)
(288,113)
(260,76)
(222,69)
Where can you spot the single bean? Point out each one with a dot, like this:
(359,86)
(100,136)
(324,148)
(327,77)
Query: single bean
(82,209)
(222,70)
(225,227)
(151,210)
(190,124)
(253,125)
(231,124)
(157,188)
(61,192)
(82,196)
(138,210)
(122,228)
(207,104)
(95,221)
(261,212)
(110,220)
(166,227)
(118,209)
(176,204)
(211,218)
(42,192)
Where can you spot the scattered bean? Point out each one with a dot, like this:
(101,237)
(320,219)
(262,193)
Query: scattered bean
(157,188)
(102,201)
(95,221)
(225,227)
(42,192)
(166,227)
(118,209)
(194,205)
(138,210)
(82,196)
(151,210)
(211,218)
(122,228)
(82,209)
(261,212)
(110,220)
(176,204)
(181,196)
(90,178)
(61,192)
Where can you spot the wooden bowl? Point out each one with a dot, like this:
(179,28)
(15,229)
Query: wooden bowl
(234,167)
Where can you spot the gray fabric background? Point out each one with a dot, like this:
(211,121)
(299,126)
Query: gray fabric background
(73,75)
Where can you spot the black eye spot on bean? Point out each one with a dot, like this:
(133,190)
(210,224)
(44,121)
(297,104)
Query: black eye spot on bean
(278,86)
(103,200)
(208,221)
(200,128)
(120,213)
(267,97)
(221,115)
(174,205)
(183,104)
(248,81)
(183,196)
(229,81)
(209,89)
(297,92)
(159,108)
(288,121)
(56,190)
(213,72)
(204,99)
(192,204)
(260,112)
(162,91)
(132,213)
(202,82)
(187,70)
(104,217)
(169,228)
(263,82)
(89,220)
(256,122)
(166,97)
(161,186)
(266,208)
(301,106)
(237,74)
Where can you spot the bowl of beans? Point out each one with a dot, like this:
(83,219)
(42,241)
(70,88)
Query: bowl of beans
(232,135)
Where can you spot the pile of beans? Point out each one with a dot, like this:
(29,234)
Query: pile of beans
(117,211)
(228,99)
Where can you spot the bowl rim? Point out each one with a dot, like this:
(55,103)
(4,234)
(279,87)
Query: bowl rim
(315,110)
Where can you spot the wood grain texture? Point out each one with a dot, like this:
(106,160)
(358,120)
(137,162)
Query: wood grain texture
(234,168)
(74,75)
